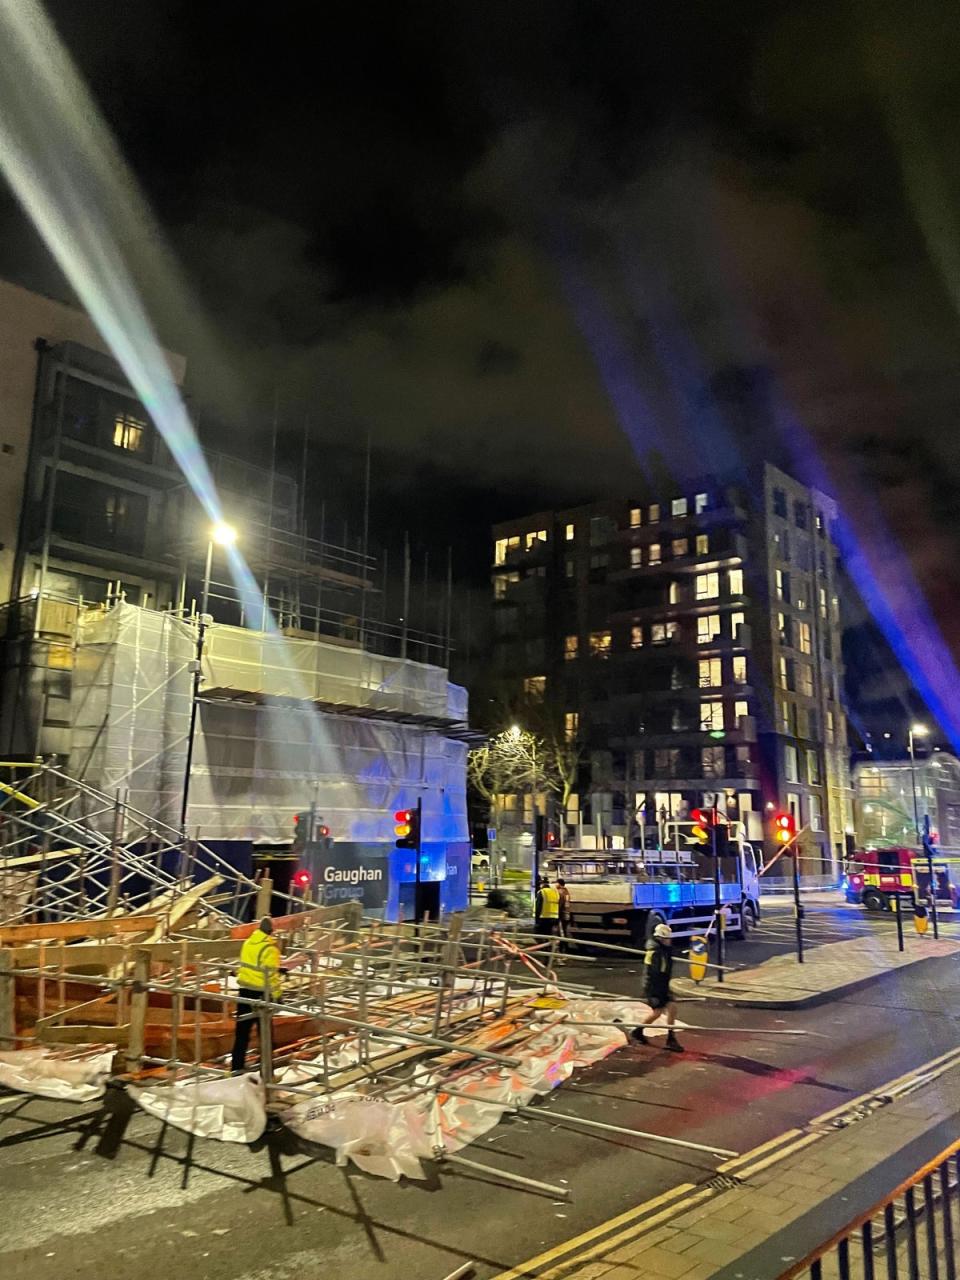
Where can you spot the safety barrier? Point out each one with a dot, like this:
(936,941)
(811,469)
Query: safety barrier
(912,1233)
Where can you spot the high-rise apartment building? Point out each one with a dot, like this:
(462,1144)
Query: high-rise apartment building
(691,642)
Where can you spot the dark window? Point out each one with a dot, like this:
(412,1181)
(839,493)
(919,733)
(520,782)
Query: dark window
(800,517)
(601,528)
(780,503)
(87,511)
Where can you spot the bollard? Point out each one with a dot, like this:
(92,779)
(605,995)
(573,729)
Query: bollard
(697,957)
(899,915)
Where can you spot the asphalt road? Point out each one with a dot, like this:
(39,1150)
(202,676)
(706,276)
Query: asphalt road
(102,1192)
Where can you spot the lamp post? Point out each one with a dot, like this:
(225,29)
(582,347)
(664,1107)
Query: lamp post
(224,535)
(923,838)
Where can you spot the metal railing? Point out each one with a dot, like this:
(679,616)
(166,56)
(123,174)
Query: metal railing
(912,1234)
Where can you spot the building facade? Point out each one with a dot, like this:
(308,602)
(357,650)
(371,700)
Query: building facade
(691,643)
(892,798)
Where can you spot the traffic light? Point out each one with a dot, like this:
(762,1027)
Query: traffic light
(302,879)
(406,827)
(701,825)
(784,828)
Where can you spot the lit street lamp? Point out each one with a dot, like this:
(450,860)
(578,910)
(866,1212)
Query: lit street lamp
(916,731)
(224,535)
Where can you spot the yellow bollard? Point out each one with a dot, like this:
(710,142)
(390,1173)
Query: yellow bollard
(920,920)
(697,957)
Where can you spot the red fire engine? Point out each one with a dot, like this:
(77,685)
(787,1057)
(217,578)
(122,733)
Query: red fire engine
(874,875)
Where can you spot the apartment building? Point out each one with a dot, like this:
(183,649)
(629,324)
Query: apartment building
(691,642)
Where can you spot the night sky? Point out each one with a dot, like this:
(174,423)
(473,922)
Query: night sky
(530,247)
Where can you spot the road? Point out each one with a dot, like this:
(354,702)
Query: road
(97,1192)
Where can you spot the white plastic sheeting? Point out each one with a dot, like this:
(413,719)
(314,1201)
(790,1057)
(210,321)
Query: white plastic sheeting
(232,1109)
(390,1140)
(254,767)
(39,1072)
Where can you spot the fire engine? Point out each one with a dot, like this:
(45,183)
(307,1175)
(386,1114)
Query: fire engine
(874,875)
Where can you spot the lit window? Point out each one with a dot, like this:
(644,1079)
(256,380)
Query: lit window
(571,725)
(710,673)
(535,687)
(599,644)
(680,547)
(823,602)
(636,637)
(503,548)
(707,586)
(502,583)
(835,608)
(636,557)
(533,539)
(636,517)
(803,632)
(784,678)
(708,628)
(678,507)
(828,726)
(711,716)
(654,557)
(819,521)
(653,513)
(813,766)
(736,620)
(783,585)
(790,763)
(783,628)
(701,502)
(569,532)
(740,709)
(739,669)
(128,432)
(784,715)
(805,679)
(673,594)
(703,544)
(815,819)
(803,722)
(736,582)
(571,646)
(663,632)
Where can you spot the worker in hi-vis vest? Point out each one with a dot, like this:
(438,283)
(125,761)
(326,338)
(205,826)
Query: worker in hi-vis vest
(258,971)
(547,909)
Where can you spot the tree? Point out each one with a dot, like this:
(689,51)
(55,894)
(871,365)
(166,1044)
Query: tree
(520,760)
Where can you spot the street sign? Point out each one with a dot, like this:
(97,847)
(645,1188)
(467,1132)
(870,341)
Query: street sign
(491,834)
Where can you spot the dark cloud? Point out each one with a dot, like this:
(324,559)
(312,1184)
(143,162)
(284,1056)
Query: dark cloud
(517,244)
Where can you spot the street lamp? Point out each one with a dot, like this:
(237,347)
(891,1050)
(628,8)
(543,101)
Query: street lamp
(224,535)
(916,731)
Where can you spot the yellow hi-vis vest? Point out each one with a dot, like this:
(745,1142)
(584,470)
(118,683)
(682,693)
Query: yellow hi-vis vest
(549,903)
(258,953)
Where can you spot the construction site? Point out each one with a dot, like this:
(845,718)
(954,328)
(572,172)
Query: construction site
(394,1045)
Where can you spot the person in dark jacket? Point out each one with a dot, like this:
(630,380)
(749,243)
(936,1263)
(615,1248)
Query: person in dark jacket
(657,972)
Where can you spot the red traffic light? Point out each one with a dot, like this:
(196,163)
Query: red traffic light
(323,832)
(784,828)
(302,879)
(403,815)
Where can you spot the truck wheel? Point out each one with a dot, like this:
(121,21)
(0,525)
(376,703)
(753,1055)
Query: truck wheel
(748,920)
(874,900)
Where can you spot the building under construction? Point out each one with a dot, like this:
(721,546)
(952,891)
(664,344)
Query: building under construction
(220,691)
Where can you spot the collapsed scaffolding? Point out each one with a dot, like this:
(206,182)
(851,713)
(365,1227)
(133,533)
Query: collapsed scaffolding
(390,1044)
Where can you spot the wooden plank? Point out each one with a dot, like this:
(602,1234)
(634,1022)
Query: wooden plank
(66,930)
(32,859)
(283,924)
(8,1025)
(184,904)
(82,1034)
(103,956)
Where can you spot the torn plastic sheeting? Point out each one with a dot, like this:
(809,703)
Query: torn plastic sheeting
(232,1109)
(391,1139)
(37,1071)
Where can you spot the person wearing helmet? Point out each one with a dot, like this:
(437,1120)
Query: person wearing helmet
(657,972)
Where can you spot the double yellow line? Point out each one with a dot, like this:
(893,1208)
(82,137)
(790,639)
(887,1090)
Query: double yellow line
(643,1218)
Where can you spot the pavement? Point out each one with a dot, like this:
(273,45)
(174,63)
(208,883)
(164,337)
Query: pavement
(95,1192)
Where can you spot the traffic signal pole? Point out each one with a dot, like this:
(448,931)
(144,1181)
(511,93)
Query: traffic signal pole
(797,908)
(717,895)
(928,849)
(417,886)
